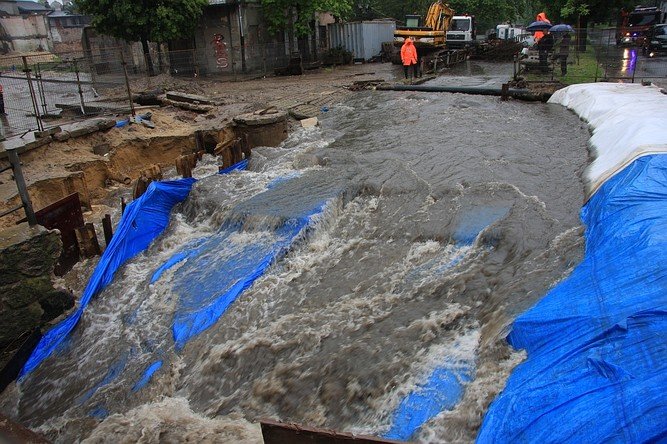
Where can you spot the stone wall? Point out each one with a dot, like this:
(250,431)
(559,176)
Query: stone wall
(28,299)
(66,40)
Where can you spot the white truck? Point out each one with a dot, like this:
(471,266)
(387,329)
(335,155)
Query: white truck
(518,34)
(462,32)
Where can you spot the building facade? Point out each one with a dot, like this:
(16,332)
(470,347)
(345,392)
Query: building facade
(232,38)
(24,27)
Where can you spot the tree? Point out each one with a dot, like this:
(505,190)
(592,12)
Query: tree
(296,16)
(488,12)
(598,11)
(578,13)
(144,20)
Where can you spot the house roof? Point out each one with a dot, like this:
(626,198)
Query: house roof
(26,6)
(60,14)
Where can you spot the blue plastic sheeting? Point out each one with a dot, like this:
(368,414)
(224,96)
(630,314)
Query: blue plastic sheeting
(473,221)
(597,343)
(99,412)
(220,270)
(442,391)
(143,220)
(444,388)
(242,165)
(115,369)
(282,179)
(146,377)
(175,259)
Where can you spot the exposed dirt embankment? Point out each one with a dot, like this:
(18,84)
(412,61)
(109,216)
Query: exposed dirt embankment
(90,164)
(94,164)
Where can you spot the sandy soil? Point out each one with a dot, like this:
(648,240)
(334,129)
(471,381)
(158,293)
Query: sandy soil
(60,168)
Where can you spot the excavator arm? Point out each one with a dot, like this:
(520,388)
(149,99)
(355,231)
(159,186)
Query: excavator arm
(439,16)
(437,21)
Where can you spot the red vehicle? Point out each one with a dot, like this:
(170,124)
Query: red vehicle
(634,26)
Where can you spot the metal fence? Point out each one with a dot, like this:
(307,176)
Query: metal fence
(600,59)
(42,91)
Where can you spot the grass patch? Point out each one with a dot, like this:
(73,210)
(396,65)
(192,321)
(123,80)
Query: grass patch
(582,67)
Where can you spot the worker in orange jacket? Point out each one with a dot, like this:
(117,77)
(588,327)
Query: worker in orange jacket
(541,17)
(409,57)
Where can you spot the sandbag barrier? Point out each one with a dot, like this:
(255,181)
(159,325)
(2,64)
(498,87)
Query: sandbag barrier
(596,343)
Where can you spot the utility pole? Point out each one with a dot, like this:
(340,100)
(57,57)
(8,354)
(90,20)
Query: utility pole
(242,34)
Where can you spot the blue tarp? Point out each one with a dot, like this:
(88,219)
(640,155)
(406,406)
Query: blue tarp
(597,343)
(442,391)
(444,387)
(218,270)
(146,377)
(143,220)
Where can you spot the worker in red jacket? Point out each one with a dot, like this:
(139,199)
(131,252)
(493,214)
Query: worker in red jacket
(409,57)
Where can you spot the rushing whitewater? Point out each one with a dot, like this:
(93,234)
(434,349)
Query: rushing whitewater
(433,221)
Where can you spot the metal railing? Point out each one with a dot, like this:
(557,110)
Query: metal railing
(600,59)
(43,91)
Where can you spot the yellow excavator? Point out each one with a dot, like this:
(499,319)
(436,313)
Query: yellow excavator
(431,35)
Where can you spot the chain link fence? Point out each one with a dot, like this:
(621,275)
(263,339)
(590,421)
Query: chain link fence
(46,90)
(599,59)
(42,91)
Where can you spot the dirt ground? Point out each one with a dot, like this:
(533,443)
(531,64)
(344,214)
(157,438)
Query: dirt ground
(56,170)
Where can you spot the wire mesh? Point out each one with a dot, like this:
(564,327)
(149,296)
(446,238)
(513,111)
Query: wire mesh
(45,90)
(602,58)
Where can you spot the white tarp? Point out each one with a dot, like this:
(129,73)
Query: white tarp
(627,120)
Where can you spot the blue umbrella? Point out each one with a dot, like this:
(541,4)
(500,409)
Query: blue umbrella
(561,28)
(538,26)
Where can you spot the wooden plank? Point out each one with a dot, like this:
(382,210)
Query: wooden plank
(275,432)
(87,239)
(66,216)
(108,229)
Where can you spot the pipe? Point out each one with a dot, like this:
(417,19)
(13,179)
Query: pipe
(521,94)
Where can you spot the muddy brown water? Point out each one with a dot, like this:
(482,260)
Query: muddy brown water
(447,216)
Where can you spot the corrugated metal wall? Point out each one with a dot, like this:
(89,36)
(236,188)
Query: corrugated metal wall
(363,39)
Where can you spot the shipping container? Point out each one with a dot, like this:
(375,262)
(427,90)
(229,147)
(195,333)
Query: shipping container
(363,39)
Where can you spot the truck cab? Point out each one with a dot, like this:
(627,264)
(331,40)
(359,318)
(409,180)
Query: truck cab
(461,32)
(635,25)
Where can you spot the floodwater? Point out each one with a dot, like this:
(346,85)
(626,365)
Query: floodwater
(432,221)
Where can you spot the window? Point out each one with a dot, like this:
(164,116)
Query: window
(642,19)
(460,25)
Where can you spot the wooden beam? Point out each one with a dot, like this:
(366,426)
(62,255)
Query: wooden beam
(275,432)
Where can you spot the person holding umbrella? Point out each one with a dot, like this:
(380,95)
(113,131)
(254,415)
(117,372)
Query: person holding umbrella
(544,47)
(541,17)
(563,52)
